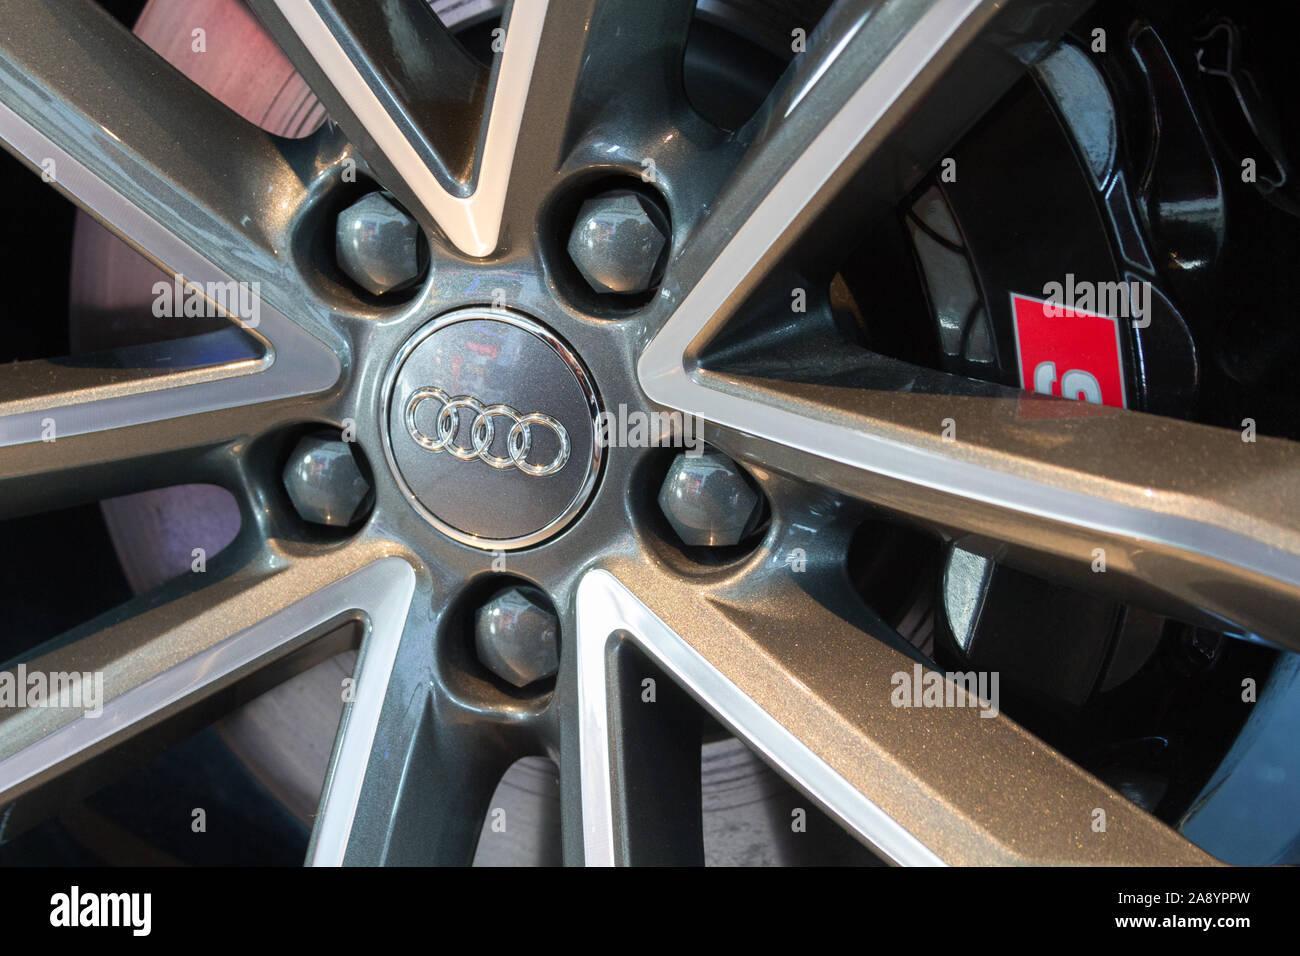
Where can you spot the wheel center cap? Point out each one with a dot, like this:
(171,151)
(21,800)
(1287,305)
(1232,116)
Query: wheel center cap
(491,428)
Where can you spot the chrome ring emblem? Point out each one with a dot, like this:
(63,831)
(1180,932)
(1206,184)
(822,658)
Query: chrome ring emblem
(519,440)
(446,391)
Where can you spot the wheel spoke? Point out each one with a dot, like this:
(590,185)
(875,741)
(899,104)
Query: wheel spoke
(881,92)
(184,180)
(646,783)
(172,661)
(611,86)
(423,796)
(442,132)
(808,684)
(430,88)
(496,160)
(413,771)
(93,427)
(171,170)
(1066,482)
(406,114)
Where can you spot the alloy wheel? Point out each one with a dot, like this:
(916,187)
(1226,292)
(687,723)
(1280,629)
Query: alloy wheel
(494,165)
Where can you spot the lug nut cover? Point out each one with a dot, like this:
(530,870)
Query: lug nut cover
(515,636)
(708,500)
(378,244)
(324,482)
(616,243)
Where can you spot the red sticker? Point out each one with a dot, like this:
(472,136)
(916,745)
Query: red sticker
(1071,354)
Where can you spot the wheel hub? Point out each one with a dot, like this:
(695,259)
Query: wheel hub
(491,428)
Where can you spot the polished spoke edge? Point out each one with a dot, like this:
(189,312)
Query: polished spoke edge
(376,590)
(605,609)
(805,176)
(295,362)
(471,223)
(383,591)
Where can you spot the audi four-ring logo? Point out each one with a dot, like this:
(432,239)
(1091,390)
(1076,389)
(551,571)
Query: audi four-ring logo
(518,441)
